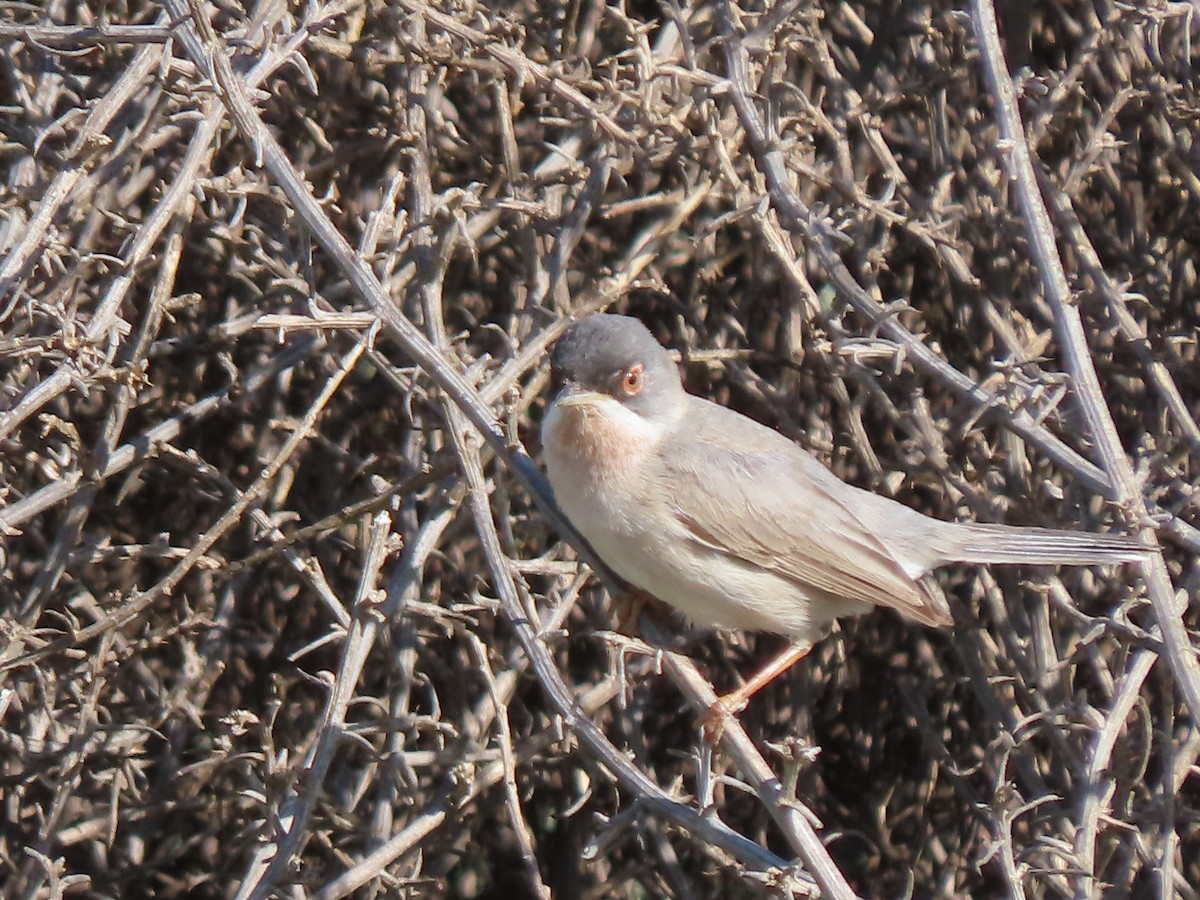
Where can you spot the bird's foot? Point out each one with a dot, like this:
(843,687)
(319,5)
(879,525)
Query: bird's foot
(724,708)
(628,607)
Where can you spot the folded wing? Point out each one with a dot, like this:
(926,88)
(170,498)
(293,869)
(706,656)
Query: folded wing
(749,493)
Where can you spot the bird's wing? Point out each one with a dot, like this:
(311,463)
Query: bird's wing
(795,521)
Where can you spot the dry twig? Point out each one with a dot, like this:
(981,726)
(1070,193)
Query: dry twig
(276,287)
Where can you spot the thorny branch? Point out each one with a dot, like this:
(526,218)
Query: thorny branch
(276,287)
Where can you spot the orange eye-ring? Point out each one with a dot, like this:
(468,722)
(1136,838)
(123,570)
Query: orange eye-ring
(633,380)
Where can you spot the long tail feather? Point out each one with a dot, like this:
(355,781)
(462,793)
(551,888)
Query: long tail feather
(987,543)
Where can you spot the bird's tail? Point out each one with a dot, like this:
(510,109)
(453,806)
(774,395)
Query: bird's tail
(988,543)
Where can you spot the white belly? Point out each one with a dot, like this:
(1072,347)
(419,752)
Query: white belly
(712,589)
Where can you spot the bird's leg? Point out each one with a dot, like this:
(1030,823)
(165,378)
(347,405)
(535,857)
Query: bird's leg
(628,606)
(713,721)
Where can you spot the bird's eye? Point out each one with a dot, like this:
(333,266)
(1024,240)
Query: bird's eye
(632,380)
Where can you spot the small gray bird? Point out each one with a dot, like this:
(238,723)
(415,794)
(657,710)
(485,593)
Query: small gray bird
(732,523)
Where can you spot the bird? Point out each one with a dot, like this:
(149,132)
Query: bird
(736,526)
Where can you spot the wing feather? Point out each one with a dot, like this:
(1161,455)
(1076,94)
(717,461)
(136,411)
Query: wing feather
(795,523)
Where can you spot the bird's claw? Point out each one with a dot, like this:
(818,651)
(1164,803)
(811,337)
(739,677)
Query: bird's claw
(628,607)
(712,723)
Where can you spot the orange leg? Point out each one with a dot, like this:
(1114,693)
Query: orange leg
(713,721)
(628,607)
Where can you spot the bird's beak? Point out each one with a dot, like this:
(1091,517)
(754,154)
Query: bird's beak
(573,396)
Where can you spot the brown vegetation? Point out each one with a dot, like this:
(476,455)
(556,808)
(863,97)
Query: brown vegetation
(283,603)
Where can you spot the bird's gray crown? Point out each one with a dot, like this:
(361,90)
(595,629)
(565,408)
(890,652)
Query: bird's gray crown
(597,349)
